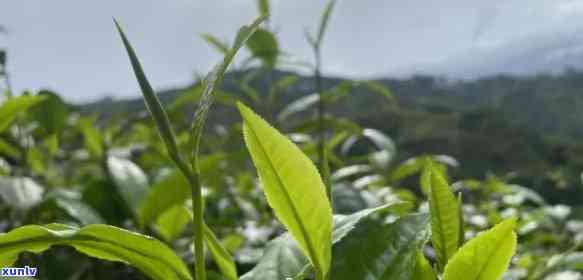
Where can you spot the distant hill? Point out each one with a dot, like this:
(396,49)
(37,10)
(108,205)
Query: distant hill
(501,123)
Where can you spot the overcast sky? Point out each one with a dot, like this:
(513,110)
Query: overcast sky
(71,46)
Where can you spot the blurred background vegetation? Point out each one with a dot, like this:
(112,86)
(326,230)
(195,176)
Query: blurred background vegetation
(511,144)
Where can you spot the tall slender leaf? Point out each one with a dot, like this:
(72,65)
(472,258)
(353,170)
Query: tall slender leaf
(215,78)
(151,99)
(324,21)
(485,257)
(293,187)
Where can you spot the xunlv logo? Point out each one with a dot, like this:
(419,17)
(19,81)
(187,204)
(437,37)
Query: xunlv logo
(18,271)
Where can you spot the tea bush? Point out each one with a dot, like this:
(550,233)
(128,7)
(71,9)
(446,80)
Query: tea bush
(151,197)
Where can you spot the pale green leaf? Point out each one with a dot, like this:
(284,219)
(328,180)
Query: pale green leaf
(170,191)
(172,222)
(423,270)
(293,188)
(486,257)
(92,137)
(10,109)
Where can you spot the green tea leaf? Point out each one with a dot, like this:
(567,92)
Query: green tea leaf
(51,113)
(163,195)
(381,89)
(105,242)
(130,179)
(20,192)
(213,80)
(293,188)
(408,168)
(264,7)
(71,203)
(423,270)
(222,47)
(92,137)
(10,109)
(376,250)
(344,224)
(172,222)
(283,258)
(8,149)
(324,21)
(445,218)
(263,45)
(221,256)
(152,102)
(485,257)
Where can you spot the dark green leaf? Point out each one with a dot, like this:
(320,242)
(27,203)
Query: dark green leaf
(51,113)
(283,258)
(263,45)
(376,250)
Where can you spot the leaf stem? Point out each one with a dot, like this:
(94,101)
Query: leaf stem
(198,225)
(321,109)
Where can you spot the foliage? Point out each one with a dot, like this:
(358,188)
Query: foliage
(146,195)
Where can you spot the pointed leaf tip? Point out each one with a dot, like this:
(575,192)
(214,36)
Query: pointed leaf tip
(293,188)
(487,256)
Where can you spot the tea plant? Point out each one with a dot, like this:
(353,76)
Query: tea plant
(124,192)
